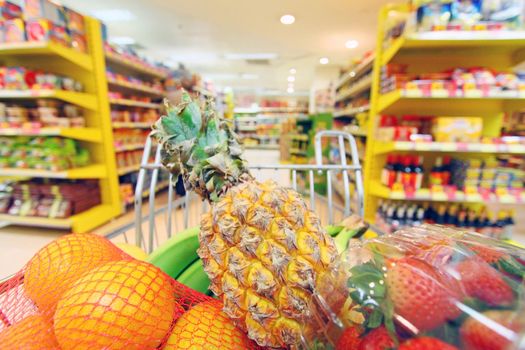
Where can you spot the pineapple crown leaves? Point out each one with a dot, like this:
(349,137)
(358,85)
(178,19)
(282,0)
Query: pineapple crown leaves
(201,147)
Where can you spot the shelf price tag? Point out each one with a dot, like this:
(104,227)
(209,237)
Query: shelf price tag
(451,192)
(447,146)
(422,146)
(398,192)
(462,147)
(472,194)
(471,90)
(437,89)
(485,194)
(437,193)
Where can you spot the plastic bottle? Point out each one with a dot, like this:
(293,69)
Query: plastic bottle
(406,173)
(388,174)
(435,173)
(418,172)
(445,171)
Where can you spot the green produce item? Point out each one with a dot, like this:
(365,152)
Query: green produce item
(333,230)
(195,277)
(352,227)
(180,251)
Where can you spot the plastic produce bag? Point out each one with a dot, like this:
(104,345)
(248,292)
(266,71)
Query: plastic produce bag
(429,287)
(82,292)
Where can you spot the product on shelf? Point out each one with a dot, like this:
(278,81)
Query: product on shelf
(135,115)
(427,287)
(156,85)
(47,113)
(127,54)
(457,82)
(119,95)
(43,153)
(393,215)
(129,159)
(20,78)
(42,20)
(130,137)
(56,199)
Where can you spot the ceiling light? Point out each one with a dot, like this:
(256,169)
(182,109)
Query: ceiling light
(293,71)
(291,79)
(351,44)
(290,90)
(287,19)
(324,60)
(250,56)
(114,15)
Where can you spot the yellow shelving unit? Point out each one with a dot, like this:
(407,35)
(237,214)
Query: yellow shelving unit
(437,51)
(97,137)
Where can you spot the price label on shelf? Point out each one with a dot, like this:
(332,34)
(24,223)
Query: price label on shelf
(437,193)
(447,147)
(471,90)
(412,90)
(410,193)
(451,192)
(422,146)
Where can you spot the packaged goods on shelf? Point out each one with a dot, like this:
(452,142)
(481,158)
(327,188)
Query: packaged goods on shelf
(45,153)
(457,82)
(394,215)
(47,113)
(120,96)
(135,115)
(128,160)
(57,199)
(129,57)
(124,139)
(21,78)
(155,86)
(42,21)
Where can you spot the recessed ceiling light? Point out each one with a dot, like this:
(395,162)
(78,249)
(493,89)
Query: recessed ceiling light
(290,90)
(287,19)
(251,56)
(114,15)
(324,60)
(293,71)
(291,78)
(351,44)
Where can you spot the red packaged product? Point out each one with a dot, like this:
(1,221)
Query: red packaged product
(9,10)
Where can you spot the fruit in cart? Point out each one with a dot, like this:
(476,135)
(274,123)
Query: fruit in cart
(205,326)
(133,251)
(32,333)
(61,263)
(126,304)
(422,298)
(426,343)
(491,330)
(261,246)
(485,283)
(350,339)
(377,339)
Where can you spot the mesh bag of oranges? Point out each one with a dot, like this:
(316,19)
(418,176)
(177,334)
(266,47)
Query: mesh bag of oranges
(82,292)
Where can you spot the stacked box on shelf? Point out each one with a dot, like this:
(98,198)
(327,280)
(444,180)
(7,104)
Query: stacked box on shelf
(457,107)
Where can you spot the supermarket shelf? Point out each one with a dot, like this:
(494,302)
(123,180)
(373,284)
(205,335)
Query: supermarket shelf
(359,87)
(119,60)
(47,49)
(351,111)
(503,42)
(382,191)
(97,171)
(131,147)
(82,134)
(356,131)
(460,147)
(133,103)
(131,125)
(358,71)
(128,169)
(136,88)
(81,222)
(77,98)
(398,101)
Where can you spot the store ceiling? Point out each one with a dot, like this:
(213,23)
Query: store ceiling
(203,34)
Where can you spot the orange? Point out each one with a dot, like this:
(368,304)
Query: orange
(126,304)
(32,333)
(205,326)
(59,264)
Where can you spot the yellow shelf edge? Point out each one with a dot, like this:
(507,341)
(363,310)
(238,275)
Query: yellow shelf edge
(136,87)
(131,125)
(128,169)
(129,147)
(81,99)
(82,134)
(95,171)
(387,147)
(47,48)
(133,103)
(121,61)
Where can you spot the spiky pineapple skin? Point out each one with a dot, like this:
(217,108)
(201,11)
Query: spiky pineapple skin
(264,251)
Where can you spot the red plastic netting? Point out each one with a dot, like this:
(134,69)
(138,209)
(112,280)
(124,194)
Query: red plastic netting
(81,292)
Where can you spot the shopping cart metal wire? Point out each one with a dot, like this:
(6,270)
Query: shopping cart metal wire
(314,181)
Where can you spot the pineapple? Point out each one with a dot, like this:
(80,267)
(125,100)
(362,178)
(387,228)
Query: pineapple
(261,246)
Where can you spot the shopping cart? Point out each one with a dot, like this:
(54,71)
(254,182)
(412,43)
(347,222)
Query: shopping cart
(157,221)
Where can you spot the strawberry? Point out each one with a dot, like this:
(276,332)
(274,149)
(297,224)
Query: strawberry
(377,339)
(489,255)
(476,335)
(483,282)
(426,343)
(350,339)
(422,299)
